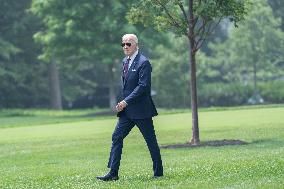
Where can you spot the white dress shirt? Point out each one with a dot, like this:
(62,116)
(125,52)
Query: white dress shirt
(132,57)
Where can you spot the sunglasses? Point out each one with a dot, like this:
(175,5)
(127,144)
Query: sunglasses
(123,44)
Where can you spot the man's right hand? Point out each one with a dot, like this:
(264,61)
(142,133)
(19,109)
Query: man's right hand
(120,106)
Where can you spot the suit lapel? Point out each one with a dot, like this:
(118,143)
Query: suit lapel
(131,67)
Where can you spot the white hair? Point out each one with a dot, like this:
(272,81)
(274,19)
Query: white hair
(130,36)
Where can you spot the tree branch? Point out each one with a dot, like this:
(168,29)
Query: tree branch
(211,29)
(195,21)
(201,30)
(183,11)
(175,23)
(204,35)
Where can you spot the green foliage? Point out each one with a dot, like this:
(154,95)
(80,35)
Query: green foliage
(71,155)
(170,74)
(195,20)
(272,91)
(221,94)
(216,9)
(61,18)
(225,77)
(78,35)
(257,45)
(154,13)
(85,42)
(278,10)
(259,39)
(171,14)
(10,22)
(7,49)
(21,75)
(80,28)
(233,94)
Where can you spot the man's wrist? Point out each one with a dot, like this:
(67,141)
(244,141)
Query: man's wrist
(125,102)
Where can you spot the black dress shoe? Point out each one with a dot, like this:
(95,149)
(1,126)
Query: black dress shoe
(109,177)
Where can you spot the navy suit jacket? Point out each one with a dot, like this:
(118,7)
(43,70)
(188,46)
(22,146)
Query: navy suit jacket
(136,90)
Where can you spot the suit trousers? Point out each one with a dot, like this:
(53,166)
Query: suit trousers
(122,129)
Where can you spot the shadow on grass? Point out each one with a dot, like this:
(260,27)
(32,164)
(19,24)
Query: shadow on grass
(143,178)
(215,143)
(101,113)
(269,142)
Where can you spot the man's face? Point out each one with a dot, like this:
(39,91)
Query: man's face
(129,50)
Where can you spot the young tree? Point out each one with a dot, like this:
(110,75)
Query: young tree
(195,19)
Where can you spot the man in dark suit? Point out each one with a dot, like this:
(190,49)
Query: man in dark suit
(136,108)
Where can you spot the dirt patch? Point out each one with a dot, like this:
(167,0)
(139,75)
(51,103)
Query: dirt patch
(215,143)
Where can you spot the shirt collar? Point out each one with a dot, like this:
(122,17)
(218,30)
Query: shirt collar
(133,56)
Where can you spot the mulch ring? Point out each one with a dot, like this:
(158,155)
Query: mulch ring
(215,143)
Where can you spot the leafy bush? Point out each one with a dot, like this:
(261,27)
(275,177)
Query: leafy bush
(272,92)
(220,94)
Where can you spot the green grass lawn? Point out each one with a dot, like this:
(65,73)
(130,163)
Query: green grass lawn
(67,150)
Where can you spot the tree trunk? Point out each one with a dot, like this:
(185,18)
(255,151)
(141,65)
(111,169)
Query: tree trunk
(195,130)
(112,88)
(194,108)
(54,84)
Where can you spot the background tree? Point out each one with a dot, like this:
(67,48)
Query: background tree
(167,62)
(21,74)
(252,52)
(197,23)
(223,75)
(81,33)
(278,10)
(78,33)
(9,16)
